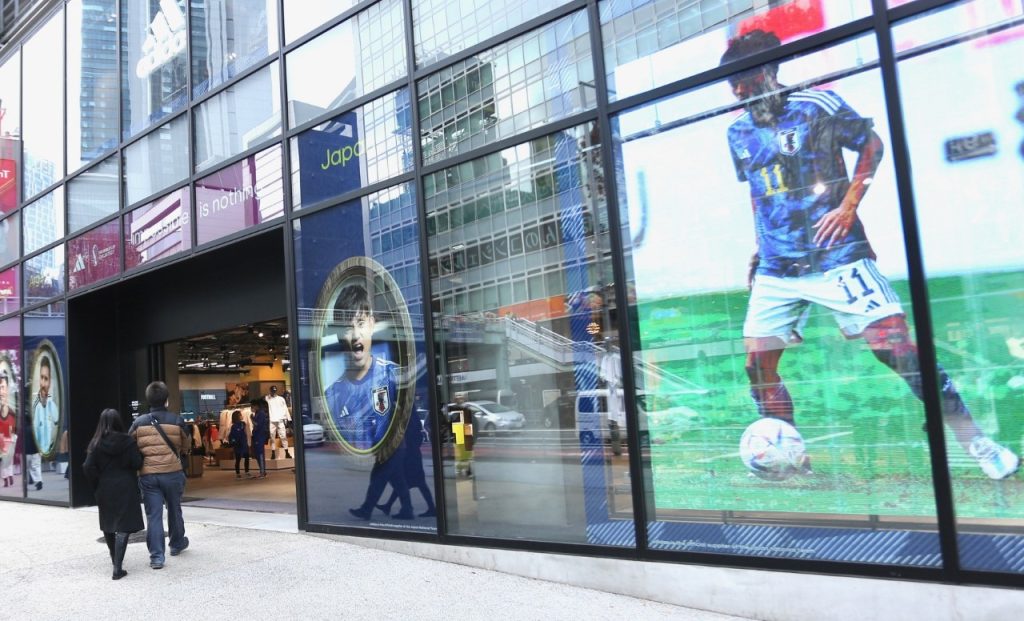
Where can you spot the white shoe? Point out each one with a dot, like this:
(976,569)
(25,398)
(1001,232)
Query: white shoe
(996,461)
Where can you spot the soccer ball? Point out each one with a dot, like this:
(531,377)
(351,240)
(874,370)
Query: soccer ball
(772,449)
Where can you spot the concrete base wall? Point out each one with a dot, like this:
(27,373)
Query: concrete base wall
(767,595)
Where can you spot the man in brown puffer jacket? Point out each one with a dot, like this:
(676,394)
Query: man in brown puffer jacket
(161,480)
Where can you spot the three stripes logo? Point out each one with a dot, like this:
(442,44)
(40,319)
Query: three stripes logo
(872,305)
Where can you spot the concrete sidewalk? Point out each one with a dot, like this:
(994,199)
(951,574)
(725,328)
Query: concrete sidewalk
(53,567)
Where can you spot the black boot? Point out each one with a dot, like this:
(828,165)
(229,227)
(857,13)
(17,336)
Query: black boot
(120,546)
(109,538)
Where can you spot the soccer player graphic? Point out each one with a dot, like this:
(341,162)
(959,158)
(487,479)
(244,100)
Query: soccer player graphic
(811,246)
(362,401)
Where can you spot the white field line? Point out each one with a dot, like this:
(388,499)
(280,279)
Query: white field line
(806,441)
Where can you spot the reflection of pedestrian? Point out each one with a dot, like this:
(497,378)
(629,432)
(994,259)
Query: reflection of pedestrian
(110,466)
(362,401)
(239,442)
(412,470)
(789,147)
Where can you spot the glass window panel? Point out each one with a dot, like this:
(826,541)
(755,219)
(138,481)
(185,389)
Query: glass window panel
(11,425)
(442,28)
(244,194)
(482,100)
(244,115)
(520,365)
(94,194)
(10,236)
(358,148)
(712,380)
(228,37)
(43,220)
(364,53)
(43,114)
(301,16)
(157,160)
(44,276)
(10,290)
(653,43)
(363,333)
(965,133)
(94,256)
(10,132)
(92,80)
(158,230)
(154,67)
(47,417)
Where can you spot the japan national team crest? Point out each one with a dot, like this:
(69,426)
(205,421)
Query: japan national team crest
(381,400)
(789,141)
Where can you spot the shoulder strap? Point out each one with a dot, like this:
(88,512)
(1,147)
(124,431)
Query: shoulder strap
(160,430)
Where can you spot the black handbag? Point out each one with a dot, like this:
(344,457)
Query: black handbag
(183,457)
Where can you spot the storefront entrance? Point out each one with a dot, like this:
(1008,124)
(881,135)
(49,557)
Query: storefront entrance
(170,324)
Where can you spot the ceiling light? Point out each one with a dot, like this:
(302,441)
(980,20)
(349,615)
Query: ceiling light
(260,335)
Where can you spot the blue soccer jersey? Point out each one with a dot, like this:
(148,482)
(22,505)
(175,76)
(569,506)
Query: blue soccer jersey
(796,173)
(363,410)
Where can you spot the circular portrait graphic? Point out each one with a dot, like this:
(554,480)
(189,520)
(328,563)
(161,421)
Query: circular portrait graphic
(366,354)
(45,398)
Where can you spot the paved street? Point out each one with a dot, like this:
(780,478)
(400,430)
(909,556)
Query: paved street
(53,567)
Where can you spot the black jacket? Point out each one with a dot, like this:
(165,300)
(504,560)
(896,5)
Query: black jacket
(111,469)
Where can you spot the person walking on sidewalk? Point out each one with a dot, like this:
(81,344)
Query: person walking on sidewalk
(111,463)
(239,442)
(161,437)
(260,434)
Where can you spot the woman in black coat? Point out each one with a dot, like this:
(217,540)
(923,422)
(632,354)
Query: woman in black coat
(111,466)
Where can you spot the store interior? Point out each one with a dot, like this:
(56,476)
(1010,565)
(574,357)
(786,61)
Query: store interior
(219,374)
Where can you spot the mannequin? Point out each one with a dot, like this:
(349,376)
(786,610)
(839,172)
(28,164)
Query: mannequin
(279,415)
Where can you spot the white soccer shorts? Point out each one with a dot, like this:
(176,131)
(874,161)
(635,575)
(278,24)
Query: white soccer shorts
(856,293)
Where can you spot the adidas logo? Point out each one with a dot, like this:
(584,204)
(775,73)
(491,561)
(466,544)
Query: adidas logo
(872,305)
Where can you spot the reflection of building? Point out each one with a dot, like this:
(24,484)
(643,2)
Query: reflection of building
(99,84)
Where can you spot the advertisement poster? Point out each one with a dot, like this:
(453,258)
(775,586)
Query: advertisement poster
(777,229)
(362,363)
(94,256)
(12,451)
(240,196)
(45,420)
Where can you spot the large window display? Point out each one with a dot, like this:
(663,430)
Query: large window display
(363,375)
(963,103)
(532,407)
(92,80)
(44,417)
(43,113)
(156,160)
(776,355)
(12,430)
(244,194)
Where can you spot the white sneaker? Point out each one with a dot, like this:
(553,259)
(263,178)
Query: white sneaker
(996,461)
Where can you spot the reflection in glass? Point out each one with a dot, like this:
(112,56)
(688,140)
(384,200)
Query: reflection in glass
(240,196)
(156,160)
(45,417)
(228,37)
(43,220)
(821,340)
(10,235)
(244,115)
(154,67)
(158,230)
(363,53)
(93,194)
(301,16)
(524,319)
(540,77)
(44,276)
(654,43)
(43,114)
(94,256)
(10,290)
(12,451)
(442,29)
(358,148)
(963,132)
(10,132)
(92,79)
(360,312)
